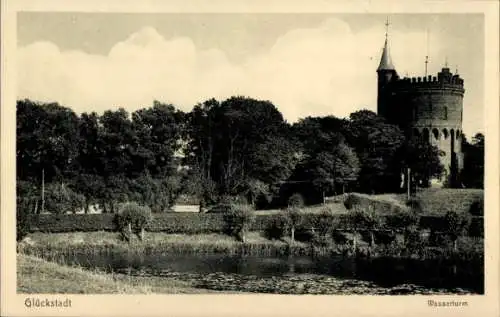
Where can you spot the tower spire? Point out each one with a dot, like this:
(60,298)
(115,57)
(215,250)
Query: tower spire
(386,61)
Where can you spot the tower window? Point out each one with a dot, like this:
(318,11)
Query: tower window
(426,134)
(436,133)
(445,134)
(445,113)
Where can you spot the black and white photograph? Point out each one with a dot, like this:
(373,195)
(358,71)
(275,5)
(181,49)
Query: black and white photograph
(244,153)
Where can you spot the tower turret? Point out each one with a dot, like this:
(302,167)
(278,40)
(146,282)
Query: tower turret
(386,73)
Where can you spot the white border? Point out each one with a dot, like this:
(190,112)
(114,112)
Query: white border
(248,305)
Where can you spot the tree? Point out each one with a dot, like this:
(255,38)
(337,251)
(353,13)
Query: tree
(236,143)
(239,219)
(158,136)
(61,199)
(407,220)
(472,175)
(423,160)
(47,139)
(294,217)
(199,153)
(89,180)
(327,163)
(365,219)
(456,225)
(376,143)
(133,218)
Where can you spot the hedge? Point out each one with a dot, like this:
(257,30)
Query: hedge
(165,222)
(191,223)
(68,223)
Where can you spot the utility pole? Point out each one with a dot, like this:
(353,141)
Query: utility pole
(408,177)
(43,191)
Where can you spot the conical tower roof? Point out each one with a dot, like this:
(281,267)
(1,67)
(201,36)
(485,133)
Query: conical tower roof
(386,61)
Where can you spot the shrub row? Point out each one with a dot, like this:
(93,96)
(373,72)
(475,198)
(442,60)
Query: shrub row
(191,223)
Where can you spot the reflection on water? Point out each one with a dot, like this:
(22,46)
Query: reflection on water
(382,271)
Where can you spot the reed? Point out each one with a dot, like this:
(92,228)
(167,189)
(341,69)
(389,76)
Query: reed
(62,248)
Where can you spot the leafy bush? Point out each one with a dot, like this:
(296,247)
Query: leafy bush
(351,200)
(22,219)
(296,201)
(239,220)
(26,201)
(402,220)
(456,224)
(60,199)
(320,240)
(414,241)
(477,208)
(226,204)
(294,218)
(326,222)
(385,237)
(438,239)
(366,219)
(157,194)
(339,237)
(414,204)
(276,228)
(133,217)
(476,227)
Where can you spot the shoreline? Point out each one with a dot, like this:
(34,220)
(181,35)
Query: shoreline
(101,242)
(38,276)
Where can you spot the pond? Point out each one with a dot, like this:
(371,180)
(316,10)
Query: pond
(296,275)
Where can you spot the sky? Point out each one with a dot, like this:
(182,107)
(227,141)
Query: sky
(305,64)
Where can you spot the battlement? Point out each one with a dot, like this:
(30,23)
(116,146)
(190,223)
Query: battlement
(442,80)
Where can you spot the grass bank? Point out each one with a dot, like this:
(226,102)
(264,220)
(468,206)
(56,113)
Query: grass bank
(438,201)
(49,245)
(61,246)
(35,275)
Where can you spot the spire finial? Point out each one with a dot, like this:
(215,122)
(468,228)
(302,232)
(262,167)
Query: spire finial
(446,61)
(385,61)
(386,27)
(427,55)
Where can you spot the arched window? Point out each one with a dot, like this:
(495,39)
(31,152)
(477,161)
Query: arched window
(452,134)
(445,134)
(435,132)
(458,134)
(416,133)
(426,135)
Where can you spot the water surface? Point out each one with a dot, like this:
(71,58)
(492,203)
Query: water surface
(285,274)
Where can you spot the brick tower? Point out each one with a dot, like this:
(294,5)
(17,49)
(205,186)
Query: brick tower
(428,107)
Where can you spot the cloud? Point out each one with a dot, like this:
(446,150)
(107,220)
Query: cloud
(329,69)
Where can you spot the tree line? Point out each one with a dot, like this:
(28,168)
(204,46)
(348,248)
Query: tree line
(239,148)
